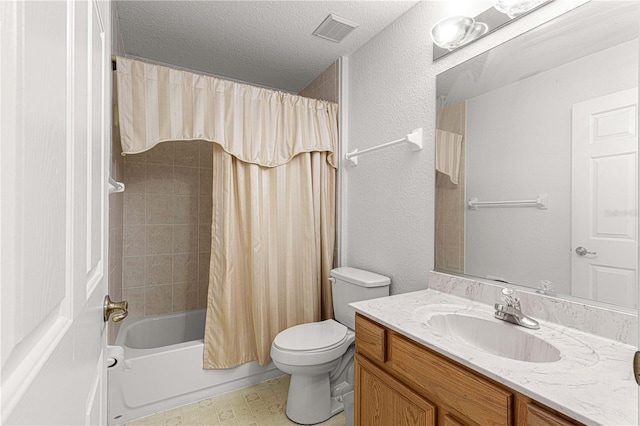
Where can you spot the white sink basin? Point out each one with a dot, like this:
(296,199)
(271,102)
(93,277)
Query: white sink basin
(505,340)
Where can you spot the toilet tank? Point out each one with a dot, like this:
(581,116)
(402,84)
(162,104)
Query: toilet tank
(353,285)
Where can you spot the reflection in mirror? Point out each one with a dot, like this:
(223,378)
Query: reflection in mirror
(544,130)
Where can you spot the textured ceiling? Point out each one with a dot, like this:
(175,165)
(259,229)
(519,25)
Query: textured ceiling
(269,43)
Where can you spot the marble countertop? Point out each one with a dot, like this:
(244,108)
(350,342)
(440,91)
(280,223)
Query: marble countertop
(592,382)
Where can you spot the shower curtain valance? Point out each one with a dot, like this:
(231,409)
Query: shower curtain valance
(256,125)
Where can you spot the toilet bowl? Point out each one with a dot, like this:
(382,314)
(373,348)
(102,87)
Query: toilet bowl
(318,355)
(310,353)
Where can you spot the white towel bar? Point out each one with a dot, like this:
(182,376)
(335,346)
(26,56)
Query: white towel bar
(414,138)
(541,202)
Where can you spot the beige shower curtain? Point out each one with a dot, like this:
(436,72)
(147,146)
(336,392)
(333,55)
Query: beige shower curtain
(273,214)
(271,253)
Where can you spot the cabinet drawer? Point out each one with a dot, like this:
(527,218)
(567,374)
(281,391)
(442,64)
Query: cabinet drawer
(538,416)
(371,339)
(455,388)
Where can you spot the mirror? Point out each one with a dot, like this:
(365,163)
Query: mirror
(536,145)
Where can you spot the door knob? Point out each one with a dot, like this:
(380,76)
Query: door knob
(581,251)
(113,307)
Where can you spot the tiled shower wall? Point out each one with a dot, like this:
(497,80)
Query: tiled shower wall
(324,86)
(450,198)
(167,228)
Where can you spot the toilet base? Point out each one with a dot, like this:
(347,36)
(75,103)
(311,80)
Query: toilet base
(310,401)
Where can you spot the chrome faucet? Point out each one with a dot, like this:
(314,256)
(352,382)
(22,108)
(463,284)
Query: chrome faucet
(509,310)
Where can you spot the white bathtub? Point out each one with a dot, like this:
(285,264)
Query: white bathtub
(159,367)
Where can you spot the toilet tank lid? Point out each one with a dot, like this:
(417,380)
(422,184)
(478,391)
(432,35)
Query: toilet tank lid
(360,277)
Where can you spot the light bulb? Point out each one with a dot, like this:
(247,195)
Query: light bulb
(455,31)
(514,8)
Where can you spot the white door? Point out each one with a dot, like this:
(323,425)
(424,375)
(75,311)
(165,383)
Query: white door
(605,199)
(54,125)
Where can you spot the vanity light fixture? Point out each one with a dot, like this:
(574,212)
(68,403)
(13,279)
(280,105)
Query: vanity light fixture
(455,31)
(515,8)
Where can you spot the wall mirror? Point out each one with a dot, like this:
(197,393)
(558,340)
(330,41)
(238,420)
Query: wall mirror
(536,145)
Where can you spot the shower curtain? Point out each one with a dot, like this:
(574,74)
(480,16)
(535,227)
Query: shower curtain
(273,218)
(271,253)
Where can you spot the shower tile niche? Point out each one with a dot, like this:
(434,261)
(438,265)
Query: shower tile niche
(167,228)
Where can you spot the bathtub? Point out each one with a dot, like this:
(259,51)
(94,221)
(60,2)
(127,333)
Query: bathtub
(158,366)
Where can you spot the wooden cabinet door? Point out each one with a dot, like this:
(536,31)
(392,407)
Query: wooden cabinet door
(382,400)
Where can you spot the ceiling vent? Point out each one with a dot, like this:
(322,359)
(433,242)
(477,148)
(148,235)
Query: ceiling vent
(335,28)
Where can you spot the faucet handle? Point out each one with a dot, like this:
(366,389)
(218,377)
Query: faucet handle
(509,298)
(545,287)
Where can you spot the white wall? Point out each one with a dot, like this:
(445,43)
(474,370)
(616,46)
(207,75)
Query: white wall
(527,151)
(389,200)
(389,197)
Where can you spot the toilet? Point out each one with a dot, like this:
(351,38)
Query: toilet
(319,355)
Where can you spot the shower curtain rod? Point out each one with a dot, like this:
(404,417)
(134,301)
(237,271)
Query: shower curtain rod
(178,67)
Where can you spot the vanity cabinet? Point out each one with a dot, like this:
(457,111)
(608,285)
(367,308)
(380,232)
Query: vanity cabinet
(400,382)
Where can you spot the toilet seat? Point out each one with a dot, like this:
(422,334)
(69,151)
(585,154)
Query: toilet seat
(311,344)
(312,337)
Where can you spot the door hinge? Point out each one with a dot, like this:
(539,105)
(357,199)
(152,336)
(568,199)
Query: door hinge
(636,367)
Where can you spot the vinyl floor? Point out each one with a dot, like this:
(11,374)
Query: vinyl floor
(258,405)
